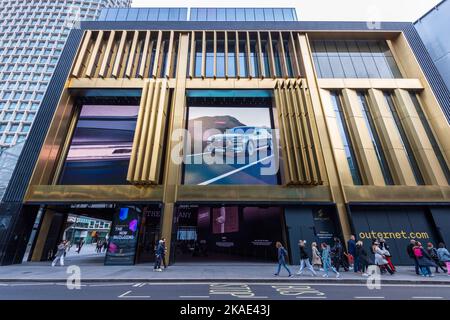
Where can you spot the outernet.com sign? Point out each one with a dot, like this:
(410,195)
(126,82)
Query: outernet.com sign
(394,235)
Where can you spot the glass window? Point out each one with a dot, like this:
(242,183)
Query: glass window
(209,58)
(437,150)
(220,71)
(249,14)
(174,14)
(404,139)
(345,136)
(370,124)
(211,14)
(268,14)
(201,14)
(231,58)
(221,14)
(354,59)
(231,14)
(198,58)
(163,14)
(240,14)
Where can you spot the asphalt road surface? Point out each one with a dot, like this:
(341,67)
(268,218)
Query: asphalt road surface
(221,291)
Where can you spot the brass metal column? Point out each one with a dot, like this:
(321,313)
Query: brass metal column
(362,141)
(324,135)
(172,171)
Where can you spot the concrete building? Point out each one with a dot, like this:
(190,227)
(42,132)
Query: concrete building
(234,130)
(32,37)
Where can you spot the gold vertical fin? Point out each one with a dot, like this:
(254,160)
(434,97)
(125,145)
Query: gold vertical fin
(81,54)
(132,54)
(118,61)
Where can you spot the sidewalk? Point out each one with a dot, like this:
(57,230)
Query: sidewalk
(93,270)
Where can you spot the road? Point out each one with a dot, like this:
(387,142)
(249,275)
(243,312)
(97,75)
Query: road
(221,291)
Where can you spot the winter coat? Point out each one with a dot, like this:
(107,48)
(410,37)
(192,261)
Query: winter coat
(351,247)
(362,255)
(337,251)
(409,250)
(379,257)
(425,260)
(443,254)
(303,253)
(160,250)
(316,257)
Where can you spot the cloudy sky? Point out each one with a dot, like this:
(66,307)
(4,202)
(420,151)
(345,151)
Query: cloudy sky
(356,10)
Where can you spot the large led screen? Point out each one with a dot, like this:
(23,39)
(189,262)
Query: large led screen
(230,145)
(101,145)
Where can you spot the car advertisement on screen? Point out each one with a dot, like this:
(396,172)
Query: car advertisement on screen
(232,145)
(123,238)
(101,145)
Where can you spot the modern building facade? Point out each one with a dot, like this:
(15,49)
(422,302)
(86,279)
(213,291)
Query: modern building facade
(32,37)
(224,137)
(432,29)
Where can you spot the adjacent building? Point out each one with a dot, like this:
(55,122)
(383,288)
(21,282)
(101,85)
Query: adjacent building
(432,28)
(231,131)
(32,37)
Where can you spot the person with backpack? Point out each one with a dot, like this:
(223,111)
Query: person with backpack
(444,256)
(424,260)
(410,251)
(432,252)
(304,259)
(60,253)
(326,260)
(282,255)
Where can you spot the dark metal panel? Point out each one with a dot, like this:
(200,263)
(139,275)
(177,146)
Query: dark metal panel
(18,184)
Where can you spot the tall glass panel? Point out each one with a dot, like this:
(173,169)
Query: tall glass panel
(404,139)
(370,124)
(243,70)
(220,57)
(231,57)
(209,58)
(345,136)
(431,137)
(198,58)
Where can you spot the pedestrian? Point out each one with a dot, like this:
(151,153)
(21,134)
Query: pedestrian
(380,258)
(444,256)
(304,259)
(80,245)
(410,251)
(432,252)
(60,253)
(105,245)
(424,260)
(351,246)
(316,260)
(99,246)
(326,260)
(158,256)
(164,251)
(387,254)
(362,259)
(282,254)
(337,254)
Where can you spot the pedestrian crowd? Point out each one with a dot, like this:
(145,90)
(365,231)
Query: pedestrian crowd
(325,258)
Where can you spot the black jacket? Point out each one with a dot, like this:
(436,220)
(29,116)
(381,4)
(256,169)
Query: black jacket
(410,251)
(362,255)
(303,253)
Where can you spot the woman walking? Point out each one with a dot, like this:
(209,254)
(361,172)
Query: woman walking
(304,259)
(424,260)
(387,254)
(282,254)
(444,256)
(316,261)
(380,259)
(60,253)
(326,260)
(432,252)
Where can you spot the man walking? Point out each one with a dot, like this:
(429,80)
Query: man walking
(163,257)
(351,245)
(304,259)
(158,256)
(410,251)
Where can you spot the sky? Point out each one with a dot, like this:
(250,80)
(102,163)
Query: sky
(331,10)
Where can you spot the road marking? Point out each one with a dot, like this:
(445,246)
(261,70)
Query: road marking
(369,297)
(321,297)
(427,298)
(194,297)
(126,295)
(139,285)
(233,172)
(111,285)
